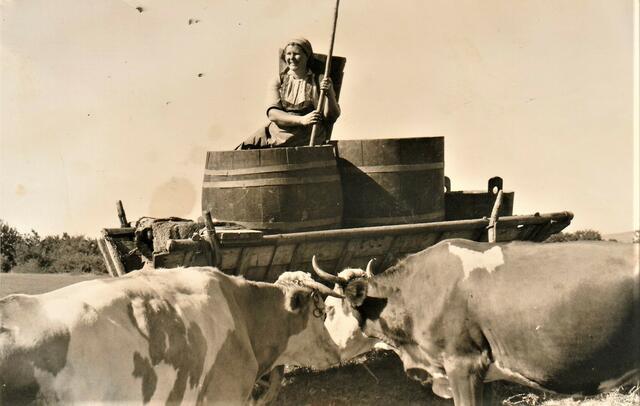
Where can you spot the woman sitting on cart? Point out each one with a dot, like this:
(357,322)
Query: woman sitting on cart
(293,99)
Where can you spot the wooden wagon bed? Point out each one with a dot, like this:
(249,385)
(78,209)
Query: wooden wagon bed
(261,257)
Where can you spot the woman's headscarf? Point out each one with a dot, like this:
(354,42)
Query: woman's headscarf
(302,43)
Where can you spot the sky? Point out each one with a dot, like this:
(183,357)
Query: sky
(100,102)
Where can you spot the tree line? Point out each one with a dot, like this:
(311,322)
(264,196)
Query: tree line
(31,253)
(585,235)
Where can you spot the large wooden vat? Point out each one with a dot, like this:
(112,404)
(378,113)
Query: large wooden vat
(473,204)
(274,190)
(391,181)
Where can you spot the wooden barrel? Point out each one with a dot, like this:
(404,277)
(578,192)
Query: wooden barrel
(274,190)
(391,181)
(474,204)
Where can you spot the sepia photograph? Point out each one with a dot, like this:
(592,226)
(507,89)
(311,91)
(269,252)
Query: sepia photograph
(320,202)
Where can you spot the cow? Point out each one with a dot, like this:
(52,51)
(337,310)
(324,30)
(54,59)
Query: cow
(175,336)
(561,317)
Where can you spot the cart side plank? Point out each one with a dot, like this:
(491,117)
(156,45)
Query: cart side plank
(264,257)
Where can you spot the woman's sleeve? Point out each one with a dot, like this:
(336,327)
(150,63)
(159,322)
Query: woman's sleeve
(273,95)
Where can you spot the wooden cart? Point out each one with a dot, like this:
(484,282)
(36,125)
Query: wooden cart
(256,256)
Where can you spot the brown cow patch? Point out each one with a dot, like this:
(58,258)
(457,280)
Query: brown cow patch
(173,342)
(142,369)
(18,384)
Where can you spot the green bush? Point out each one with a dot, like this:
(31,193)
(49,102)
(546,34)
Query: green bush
(52,254)
(9,239)
(31,266)
(74,254)
(580,235)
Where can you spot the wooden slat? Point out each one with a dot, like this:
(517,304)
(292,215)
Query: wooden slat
(493,219)
(536,218)
(275,272)
(391,257)
(168,259)
(478,234)
(283,254)
(527,232)
(553,227)
(294,256)
(398,229)
(540,231)
(118,267)
(268,257)
(394,168)
(341,258)
(510,233)
(414,242)
(121,214)
(107,257)
(326,251)
(119,232)
(348,250)
(465,234)
(270,169)
(241,265)
(254,262)
(417,218)
(290,225)
(223,184)
(230,259)
(269,267)
(239,235)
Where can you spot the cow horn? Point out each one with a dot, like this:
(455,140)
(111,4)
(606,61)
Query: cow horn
(369,271)
(325,275)
(324,291)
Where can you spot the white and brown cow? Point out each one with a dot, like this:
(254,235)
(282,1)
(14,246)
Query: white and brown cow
(190,336)
(562,317)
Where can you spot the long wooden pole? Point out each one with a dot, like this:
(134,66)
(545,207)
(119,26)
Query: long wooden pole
(493,221)
(121,215)
(327,70)
(213,239)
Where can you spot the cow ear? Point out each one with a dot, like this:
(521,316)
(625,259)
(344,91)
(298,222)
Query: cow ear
(356,291)
(296,300)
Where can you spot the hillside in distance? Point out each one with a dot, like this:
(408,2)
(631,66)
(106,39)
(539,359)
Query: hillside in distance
(621,237)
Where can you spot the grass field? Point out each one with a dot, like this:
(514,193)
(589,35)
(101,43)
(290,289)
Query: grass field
(38,283)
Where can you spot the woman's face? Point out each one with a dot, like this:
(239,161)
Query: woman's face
(295,58)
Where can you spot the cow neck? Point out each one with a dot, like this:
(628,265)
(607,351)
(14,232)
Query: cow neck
(269,325)
(384,312)
(386,285)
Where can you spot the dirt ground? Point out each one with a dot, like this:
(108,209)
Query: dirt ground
(385,383)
